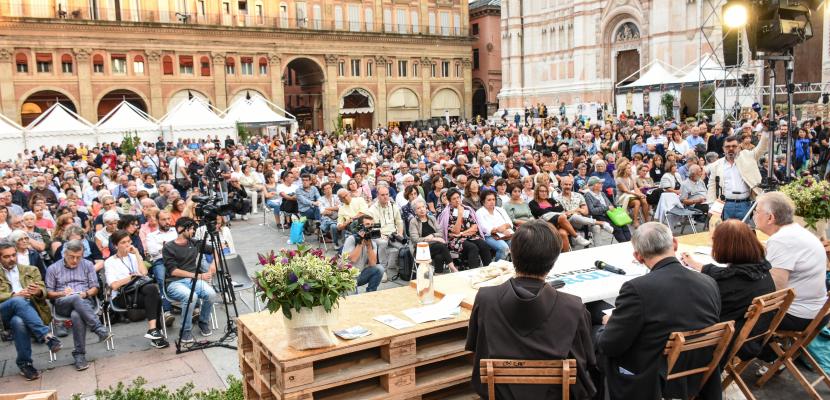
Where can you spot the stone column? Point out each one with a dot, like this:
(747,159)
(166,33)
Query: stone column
(157,109)
(86,107)
(380,103)
(8,105)
(277,89)
(426,87)
(467,65)
(220,85)
(331,104)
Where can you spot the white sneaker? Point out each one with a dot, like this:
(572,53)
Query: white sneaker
(607,227)
(245,217)
(582,241)
(384,279)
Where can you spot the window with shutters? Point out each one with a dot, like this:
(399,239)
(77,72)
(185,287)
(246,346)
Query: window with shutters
(433,68)
(387,20)
(369,18)
(457,70)
(186,65)
(119,63)
(204,63)
(66,64)
(338,17)
(22,63)
(445,22)
(263,66)
(370,69)
(341,68)
(247,66)
(44,63)
(445,69)
(431,23)
(415,68)
(230,66)
(354,17)
(456,24)
(138,65)
(167,65)
(402,67)
(401,20)
(413,21)
(475,59)
(98,64)
(355,67)
(475,29)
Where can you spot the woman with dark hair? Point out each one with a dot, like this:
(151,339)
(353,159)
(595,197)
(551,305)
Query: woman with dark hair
(502,196)
(546,208)
(670,182)
(657,169)
(525,318)
(472,194)
(130,224)
(459,228)
(177,208)
(516,207)
(121,268)
(496,225)
(410,193)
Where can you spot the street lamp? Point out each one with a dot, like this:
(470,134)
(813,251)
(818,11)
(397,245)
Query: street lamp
(735,14)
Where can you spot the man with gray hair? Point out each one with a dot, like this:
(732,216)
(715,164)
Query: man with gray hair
(72,284)
(648,309)
(797,258)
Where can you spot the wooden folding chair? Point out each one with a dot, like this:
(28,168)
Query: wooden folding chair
(717,336)
(528,372)
(777,302)
(789,345)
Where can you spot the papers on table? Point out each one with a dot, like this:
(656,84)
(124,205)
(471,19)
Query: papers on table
(393,321)
(444,309)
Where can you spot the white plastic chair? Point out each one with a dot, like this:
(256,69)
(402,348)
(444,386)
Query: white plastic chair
(112,307)
(60,319)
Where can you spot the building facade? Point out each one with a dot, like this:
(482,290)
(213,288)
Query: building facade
(372,61)
(485,28)
(574,52)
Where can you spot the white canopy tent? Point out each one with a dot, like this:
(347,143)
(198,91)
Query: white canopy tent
(657,73)
(11,139)
(256,111)
(58,125)
(125,118)
(195,119)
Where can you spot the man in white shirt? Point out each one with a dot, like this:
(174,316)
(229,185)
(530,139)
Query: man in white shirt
(797,258)
(155,243)
(385,212)
(734,178)
(655,140)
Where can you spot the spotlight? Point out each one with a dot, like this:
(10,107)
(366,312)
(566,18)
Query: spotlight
(735,14)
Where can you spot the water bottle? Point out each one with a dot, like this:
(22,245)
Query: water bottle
(424,283)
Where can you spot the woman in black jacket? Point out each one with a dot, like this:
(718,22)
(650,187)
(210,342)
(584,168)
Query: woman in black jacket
(745,277)
(545,207)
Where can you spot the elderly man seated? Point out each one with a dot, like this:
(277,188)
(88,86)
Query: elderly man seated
(23,309)
(693,191)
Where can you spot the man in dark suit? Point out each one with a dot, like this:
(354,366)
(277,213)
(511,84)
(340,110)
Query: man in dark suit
(671,298)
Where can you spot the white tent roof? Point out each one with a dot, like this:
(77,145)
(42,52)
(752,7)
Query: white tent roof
(59,119)
(255,110)
(705,70)
(9,128)
(126,117)
(656,74)
(193,113)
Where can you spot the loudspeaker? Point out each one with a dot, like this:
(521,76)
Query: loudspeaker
(732,52)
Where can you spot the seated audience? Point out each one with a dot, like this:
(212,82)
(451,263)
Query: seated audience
(516,207)
(525,318)
(25,254)
(423,227)
(24,310)
(670,298)
(130,224)
(460,229)
(577,211)
(308,202)
(363,253)
(102,236)
(670,182)
(72,284)
(693,190)
(350,209)
(545,207)
(496,225)
(629,195)
(124,265)
(329,204)
(599,205)
(385,212)
(155,244)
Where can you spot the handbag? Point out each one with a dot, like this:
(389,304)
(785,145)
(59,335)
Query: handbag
(619,217)
(296,235)
(131,289)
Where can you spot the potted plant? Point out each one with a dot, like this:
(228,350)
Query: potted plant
(811,198)
(306,286)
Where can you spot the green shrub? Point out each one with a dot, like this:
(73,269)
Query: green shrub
(138,391)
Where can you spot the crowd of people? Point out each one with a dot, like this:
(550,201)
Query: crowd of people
(84,225)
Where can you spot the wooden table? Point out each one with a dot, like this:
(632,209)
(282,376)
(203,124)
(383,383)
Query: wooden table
(426,361)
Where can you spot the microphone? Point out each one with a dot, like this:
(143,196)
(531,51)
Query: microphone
(607,267)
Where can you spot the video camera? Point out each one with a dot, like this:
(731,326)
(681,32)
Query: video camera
(209,207)
(369,233)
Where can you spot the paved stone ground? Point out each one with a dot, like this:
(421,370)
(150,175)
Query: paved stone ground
(209,368)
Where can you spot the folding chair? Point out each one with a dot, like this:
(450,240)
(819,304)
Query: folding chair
(110,306)
(717,336)
(268,211)
(241,280)
(789,345)
(60,319)
(528,372)
(777,302)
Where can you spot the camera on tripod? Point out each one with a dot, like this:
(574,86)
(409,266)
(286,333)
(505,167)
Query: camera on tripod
(210,207)
(369,233)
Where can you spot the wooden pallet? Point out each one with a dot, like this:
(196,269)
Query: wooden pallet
(37,395)
(389,364)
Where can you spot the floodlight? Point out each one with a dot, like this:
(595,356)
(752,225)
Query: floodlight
(735,14)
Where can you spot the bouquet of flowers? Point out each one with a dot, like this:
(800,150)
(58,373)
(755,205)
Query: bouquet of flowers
(811,198)
(306,286)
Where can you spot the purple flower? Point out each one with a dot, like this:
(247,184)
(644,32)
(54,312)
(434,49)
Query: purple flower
(292,277)
(284,260)
(306,287)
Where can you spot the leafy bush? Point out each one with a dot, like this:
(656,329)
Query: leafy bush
(138,391)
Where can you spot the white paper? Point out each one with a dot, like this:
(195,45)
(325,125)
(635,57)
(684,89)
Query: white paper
(608,311)
(393,321)
(716,208)
(446,308)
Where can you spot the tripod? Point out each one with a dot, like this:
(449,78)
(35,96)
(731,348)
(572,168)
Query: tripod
(225,287)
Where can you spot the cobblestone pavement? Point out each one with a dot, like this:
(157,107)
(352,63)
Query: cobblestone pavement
(134,357)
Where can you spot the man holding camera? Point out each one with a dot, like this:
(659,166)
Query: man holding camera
(362,251)
(388,214)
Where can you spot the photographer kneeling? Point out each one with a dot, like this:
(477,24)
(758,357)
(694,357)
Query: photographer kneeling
(238,199)
(131,287)
(362,251)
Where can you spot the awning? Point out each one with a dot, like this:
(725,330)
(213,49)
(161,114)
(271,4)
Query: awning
(360,106)
(446,102)
(403,105)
